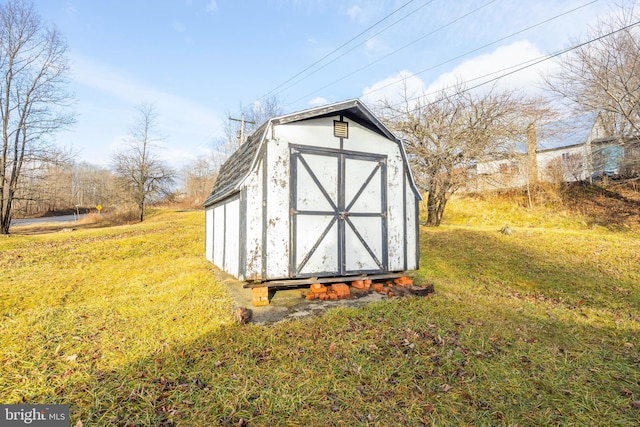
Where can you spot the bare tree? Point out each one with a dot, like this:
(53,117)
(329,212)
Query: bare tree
(198,179)
(33,95)
(94,185)
(447,137)
(143,176)
(254,116)
(604,75)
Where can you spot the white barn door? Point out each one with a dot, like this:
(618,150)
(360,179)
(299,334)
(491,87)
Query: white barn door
(338,213)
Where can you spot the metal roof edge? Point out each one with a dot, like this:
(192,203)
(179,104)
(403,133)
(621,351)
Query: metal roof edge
(563,147)
(314,111)
(225,195)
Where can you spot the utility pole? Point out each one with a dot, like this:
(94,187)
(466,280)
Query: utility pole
(242,122)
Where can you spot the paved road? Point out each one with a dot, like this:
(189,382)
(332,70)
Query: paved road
(29,221)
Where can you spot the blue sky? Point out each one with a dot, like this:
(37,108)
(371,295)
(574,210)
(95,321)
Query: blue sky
(198,61)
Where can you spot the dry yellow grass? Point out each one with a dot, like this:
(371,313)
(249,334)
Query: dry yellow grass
(128,326)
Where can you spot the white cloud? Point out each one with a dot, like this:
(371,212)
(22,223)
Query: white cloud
(393,88)
(184,123)
(355,12)
(178,26)
(70,9)
(363,11)
(126,88)
(318,101)
(212,6)
(374,47)
(498,63)
(472,72)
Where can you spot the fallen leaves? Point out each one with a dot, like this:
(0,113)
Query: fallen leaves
(445,388)
(332,348)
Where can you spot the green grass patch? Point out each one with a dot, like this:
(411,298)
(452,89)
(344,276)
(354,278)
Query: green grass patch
(129,326)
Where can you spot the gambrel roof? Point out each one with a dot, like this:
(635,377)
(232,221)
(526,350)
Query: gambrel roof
(240,164)
(236,167)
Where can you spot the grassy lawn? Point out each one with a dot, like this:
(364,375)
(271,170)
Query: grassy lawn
(128,325)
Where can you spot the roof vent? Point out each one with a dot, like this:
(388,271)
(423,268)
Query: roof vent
(340,129)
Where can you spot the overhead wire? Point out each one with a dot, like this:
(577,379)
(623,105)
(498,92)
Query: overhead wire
(529,63)
(400,48)
(353,48)
(339,47)
(206,139)
(396,51)
(451,59)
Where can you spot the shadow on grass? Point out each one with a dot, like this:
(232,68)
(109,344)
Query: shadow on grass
(411,361)
(454,358)
(614,207)
(580,271)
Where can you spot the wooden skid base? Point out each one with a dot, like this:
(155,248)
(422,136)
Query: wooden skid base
(294,283)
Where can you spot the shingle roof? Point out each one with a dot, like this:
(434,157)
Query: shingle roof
(236,167)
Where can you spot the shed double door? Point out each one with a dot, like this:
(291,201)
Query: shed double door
(338,209)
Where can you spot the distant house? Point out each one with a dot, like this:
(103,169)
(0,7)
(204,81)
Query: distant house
(575,149)
(324,192)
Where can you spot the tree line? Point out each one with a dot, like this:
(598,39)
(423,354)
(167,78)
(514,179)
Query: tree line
(446,133)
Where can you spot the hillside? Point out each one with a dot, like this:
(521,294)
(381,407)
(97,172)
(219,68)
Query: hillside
(577,206)
(129,326)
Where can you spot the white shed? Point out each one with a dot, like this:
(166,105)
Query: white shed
(325,192)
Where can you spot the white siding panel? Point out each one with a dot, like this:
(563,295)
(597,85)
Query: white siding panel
(569,164)
(367,141)
(218,236)
(253,188)
(396,215)
(208,236)
(232,238)
(412,262)
(315,132)
(277,210)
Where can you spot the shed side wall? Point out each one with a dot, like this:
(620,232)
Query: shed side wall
(231,262)
(253,189)
(218,235)
(277,210)
(208,234)
(411,213)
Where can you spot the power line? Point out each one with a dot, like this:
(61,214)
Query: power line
(529,64)
(451,59)
(336,49)
(322,59)
(352,49)
(399,49)
(395,51)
